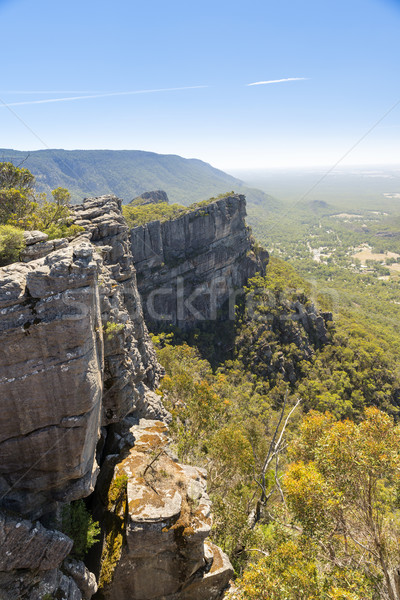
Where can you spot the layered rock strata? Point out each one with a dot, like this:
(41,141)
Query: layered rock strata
(51,362)
(75,355)
(188,268)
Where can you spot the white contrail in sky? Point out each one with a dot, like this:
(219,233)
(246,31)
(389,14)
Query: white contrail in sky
(278,80)
(105,95)
(39,92)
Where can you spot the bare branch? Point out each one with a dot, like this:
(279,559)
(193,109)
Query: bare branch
(256,550)
(278,485)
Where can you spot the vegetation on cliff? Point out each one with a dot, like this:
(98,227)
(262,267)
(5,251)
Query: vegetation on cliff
(136,214)
(23,208)
(299,528)
(78,524)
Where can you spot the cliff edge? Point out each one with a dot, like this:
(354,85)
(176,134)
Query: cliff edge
(191,267)
(78,375)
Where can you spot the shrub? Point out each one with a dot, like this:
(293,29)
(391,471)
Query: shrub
(111,329)
(78,524)
(11,244)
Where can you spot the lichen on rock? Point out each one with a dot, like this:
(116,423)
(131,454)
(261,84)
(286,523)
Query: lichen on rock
(167,521)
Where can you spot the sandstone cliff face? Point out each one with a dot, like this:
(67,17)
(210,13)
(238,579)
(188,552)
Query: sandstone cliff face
(189,267)
(75,355)
(130,367)
(51,386)
(76,358)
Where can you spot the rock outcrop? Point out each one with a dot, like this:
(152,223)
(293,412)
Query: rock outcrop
(188,268)
(166,518)
(130,365)
(29,559)
(156,197)
(37,245)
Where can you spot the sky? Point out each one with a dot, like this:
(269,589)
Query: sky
(173,77)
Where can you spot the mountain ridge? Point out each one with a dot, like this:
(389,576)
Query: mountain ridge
(129,173)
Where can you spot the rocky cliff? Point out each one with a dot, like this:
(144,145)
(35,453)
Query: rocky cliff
(154,197)
(77,379)
(190,267)
(75,355)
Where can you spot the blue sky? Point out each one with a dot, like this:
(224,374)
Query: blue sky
(345,54)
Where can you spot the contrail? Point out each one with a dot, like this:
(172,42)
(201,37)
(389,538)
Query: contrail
(39,92)
(106,95)
(278,80)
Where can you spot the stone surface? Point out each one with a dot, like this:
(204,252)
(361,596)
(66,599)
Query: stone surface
(58,585)
(77,370)
(129,354)
(168,521)
(25,545)
(210,584)
(84,579)
(50,379)
(41,248)
(189,267)
(150,406)
(29,559)
(31,585)
(33,237)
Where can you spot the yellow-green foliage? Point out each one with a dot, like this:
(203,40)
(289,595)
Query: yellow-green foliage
(115,527)
(219,419)
(110,556)
(290,572)
(111,329)
(140,214)
(346,477)
(315,541)
(22,207)
(280,277)
(117,492)
(11,244)
(353,370)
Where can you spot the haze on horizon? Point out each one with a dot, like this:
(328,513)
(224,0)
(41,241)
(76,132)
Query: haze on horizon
(241,86)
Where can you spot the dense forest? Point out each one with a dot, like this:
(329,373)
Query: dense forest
(289,427)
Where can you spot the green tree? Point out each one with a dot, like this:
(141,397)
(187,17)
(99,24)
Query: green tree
(16,193)
(58,208)
(343,490)
(21,206)
(11,244)
(78,524)
(12,177)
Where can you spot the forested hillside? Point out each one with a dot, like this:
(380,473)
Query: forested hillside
(298,415)
(129,173)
